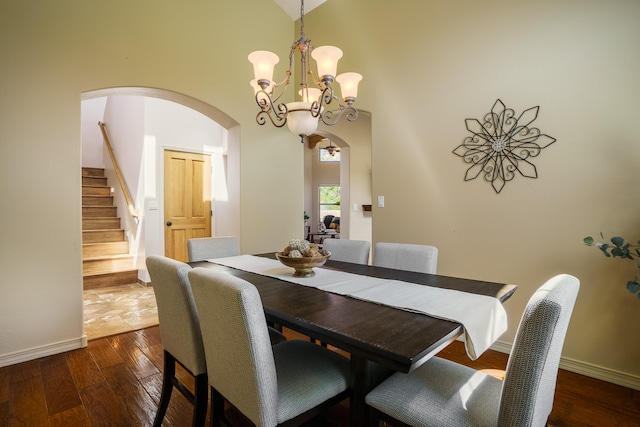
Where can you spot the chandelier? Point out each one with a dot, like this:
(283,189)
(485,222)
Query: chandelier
(302,117)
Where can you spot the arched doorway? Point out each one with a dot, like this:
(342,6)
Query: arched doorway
(159,120)
(354,140)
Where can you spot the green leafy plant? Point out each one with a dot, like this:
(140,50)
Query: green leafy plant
(306,216)
(620,248)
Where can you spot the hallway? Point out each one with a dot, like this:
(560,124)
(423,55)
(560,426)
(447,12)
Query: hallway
(117,309)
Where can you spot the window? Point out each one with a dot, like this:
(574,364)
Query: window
(327,156)
(329,197)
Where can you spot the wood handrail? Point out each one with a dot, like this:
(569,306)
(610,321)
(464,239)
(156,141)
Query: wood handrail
(123,185)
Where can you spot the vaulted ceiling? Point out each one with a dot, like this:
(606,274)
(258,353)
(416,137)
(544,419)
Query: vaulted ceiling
(292,7)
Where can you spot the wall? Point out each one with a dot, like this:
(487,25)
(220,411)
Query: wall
(438,63)
(92,140)
(52,54)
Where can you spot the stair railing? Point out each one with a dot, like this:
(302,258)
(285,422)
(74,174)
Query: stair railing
(123,185)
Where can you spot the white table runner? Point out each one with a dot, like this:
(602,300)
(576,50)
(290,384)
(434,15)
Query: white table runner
(483,318)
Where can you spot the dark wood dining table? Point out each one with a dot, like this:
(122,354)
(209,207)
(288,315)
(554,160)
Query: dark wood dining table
(379,338)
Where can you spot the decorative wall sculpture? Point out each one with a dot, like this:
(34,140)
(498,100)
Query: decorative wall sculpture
(502,145)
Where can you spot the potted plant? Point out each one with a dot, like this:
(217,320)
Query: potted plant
(620,248)
(306,217)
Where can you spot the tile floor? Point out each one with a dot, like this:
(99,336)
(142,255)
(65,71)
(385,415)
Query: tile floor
(116,309)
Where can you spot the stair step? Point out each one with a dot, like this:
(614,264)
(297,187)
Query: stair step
(102,236)
(122,277)
(99,211)
(92,250)
(95,172)
(98,223)
(94,180)
(106,264)
(95,190)
(105,254)
(97,200)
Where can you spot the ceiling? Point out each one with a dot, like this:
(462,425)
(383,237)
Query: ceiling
(292,7)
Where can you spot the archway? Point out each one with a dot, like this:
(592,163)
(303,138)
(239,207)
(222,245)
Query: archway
(354,140)
(146,172)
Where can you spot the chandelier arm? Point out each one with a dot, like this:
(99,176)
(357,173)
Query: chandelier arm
(332,117)
(278,119)
(285,82)
(325,99)
(267,106)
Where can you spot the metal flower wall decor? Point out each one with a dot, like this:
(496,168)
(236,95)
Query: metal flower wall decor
(502,145)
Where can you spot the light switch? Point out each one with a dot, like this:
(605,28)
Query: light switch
(381,201)
(355,207)
(153,205)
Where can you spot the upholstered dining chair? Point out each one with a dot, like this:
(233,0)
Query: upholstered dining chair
(180,334)
(404,256)
(356,251)
(444,393)
(285,384)
(202,248)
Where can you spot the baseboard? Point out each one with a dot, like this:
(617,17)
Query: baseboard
(144,284)
(587,369)
(43,351)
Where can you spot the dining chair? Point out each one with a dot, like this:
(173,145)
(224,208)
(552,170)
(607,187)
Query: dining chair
(180,334)
(356,251)
(404,256)
(444,393)
(286,384)
(202,248)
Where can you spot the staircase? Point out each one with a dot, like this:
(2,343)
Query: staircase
(105,252)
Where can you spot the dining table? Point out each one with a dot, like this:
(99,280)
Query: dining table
(380,339)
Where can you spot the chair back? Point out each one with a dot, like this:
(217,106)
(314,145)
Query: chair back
(177,314)
(203,248)
(356,251)
(403,256)
(327,220)
(532,369)
(239,357)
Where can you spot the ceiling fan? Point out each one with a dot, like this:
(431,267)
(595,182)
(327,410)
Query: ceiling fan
(332,150)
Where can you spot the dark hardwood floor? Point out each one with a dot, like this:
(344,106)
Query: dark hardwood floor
(116,381)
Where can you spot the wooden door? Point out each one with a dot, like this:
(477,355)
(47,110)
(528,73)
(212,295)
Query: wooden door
(187,201)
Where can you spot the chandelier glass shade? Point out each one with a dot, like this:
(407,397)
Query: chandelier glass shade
(318,100)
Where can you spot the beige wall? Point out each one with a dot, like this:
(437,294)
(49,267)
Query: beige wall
(428,66)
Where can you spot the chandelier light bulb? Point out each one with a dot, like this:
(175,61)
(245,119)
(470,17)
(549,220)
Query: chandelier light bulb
(327,58)
(349,85)
(263,63)
(310,94)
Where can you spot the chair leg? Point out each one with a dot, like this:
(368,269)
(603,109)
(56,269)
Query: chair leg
(200,400)
(167,387)
(374,418)
(217,408)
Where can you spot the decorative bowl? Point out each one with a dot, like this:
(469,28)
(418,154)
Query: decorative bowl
(303,266)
